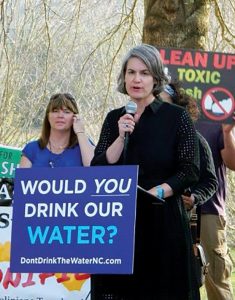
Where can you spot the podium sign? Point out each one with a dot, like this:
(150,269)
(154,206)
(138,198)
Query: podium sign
(74,220)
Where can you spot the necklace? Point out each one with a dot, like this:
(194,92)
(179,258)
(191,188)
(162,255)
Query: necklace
(56,148)
(55,152)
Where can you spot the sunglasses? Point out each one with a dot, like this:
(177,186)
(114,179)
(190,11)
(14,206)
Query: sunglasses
(66,95)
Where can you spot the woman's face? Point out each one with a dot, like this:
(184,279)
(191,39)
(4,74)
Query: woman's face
(139,81)
(61,118)
(193,110)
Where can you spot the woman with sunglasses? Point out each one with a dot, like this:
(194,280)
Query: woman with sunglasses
(63,142)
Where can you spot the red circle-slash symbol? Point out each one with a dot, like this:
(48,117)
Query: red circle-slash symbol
(216,109)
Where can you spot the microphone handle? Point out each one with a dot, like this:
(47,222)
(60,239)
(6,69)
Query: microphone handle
(126,141)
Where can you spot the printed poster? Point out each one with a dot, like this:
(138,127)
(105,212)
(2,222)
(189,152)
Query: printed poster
(74,219)
(29,286)
(207,76)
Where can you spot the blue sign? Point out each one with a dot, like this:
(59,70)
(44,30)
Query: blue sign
(74,220)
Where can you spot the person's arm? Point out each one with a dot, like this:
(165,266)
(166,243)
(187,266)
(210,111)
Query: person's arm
(188,168)
(207,184)
(105,140)
(25,162)
(187,172)
(86,147)
(114,152)
(28,154)
(228,152)
(111,142)
(125,124)
(167,190)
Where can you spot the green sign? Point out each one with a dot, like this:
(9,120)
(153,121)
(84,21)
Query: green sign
(9,161)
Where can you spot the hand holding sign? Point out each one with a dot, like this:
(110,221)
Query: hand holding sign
(228,128)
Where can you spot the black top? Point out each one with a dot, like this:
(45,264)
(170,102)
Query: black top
(207,185)
(165,146)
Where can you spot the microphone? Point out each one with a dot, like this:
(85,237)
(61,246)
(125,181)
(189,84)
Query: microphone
(131,108)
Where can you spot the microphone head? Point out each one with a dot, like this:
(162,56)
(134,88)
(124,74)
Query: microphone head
(131,107)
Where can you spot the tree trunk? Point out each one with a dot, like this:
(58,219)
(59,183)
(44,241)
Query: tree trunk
(176,23)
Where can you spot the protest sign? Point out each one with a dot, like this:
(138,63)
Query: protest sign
(35,286)
(29,286)
(74,220)
(207,77)
(9,161)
